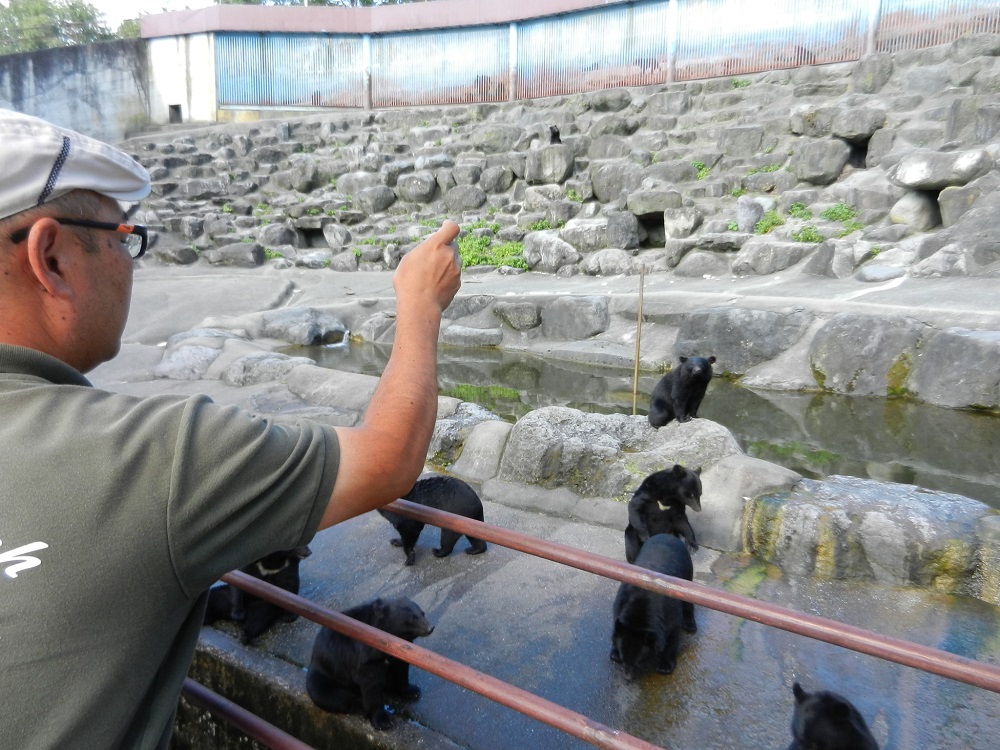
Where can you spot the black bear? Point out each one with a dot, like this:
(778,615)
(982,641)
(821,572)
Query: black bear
(658,507)
(679,393)
(443,493)
(346,676)
(226,602)
(827,721)
(647,628)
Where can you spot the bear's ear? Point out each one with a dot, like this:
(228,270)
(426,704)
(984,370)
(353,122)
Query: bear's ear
(378,607)
(683,359)
(840,710)
(711,360)
(697,471)
(677,471)
(799,693)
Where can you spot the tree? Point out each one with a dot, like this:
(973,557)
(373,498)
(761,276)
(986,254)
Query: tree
(29,25)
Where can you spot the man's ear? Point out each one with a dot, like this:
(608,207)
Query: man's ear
(47,246)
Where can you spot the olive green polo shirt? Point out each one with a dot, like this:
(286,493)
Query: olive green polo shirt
(116,514)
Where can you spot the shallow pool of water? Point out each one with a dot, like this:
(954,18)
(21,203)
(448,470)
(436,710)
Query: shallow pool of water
(816,434)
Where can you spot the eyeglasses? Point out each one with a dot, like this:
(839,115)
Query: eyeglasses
(134,238)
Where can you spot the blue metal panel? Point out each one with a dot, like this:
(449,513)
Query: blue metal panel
(441,67)
(720,37)
(289,70)
(915,24)
(622,45)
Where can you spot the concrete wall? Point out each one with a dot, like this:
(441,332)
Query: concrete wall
(100,89)
(182,74)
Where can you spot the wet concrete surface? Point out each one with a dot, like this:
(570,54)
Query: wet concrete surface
(546,628)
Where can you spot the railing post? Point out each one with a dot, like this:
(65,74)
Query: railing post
(366,55)
(512,64)
(874,19)
(672,16)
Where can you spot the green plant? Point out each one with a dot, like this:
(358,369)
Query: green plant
(768,221)
(333,182)
(839,212)
(539,225)
(876,251)
(739,83)
(769,149)
(261,209)
(357,253)
(799,211)
(808,233)
(736,192)
(766,168)
(481,251)
(850,227)
(248,239)
(733,226)
(327,263)
(272,254)
(702,169)
(574,196)
(433,223)
(313,211)
(424,123)
(330,212)
(227,208)
(437,141)
(373,241)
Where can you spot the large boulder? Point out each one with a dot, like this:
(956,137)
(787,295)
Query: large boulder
(934,170)
(575,318)
(544,251)
(551,164)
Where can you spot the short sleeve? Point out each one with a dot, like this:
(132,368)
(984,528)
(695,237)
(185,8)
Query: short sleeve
(243,486)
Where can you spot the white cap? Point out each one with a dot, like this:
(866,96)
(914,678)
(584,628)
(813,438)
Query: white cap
(40,162)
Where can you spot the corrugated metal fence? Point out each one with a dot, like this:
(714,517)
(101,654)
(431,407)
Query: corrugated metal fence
(624,44)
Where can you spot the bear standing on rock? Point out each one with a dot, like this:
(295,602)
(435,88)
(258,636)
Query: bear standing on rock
(443,493)
(257,615)
(679,393)
(647,628)
(658,507)
(827,721)
(346,676)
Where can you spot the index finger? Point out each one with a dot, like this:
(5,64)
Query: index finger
(449,231)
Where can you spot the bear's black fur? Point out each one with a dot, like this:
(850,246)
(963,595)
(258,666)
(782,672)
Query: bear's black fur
(443,493)
(827,721)
(679,393)
(226,602)
(647,627)
(346,676)
(658,507)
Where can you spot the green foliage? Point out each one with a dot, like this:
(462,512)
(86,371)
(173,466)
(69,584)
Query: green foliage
(373,241)
(767,168)
(481,394)
(272,254)
(733,226)
(260,209)
(768,221)
(574,196)
(333,183)
(482,251)
(128,29)
(30,25)
(539,225)
(702,169)
(876,251)
(839,212)
(437,141)
(799,211)
(314,211)
(739,83)
(227,208)
(850,227)
(481,224)
(432,223)
(248,239)
(357,253)
(808,233)
(736,192)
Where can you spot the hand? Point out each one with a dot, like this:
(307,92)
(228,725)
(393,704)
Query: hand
(432,271)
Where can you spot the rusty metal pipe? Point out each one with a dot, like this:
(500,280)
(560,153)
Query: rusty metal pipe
(539,708)
(249,723)
(896,650)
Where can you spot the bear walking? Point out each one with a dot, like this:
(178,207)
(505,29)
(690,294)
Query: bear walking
(443,493)
(647,627)
(346,676)
(658,507)
(257,615)
(679,393)
(826,721)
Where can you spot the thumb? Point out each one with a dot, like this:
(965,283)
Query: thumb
(447,233)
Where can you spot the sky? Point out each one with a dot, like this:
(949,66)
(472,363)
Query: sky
(116,11)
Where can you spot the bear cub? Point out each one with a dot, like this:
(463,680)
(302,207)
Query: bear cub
(679,393)
(226,602)
(647,626)
(658,507)
(443,493)
(346,676)
(826,721)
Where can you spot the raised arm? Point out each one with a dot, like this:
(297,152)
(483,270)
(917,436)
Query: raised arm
(382,458)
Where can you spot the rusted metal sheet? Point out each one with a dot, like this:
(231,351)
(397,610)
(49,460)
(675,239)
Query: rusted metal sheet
(446,67)
(289,70)
(915,24)
(606,48)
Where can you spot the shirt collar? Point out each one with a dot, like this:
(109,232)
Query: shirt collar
(20,360)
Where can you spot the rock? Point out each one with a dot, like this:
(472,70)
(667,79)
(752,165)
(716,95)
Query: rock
(917,210)
(764,255)
(741,140)
(857,124)
(481,451)
(610,100)
(748,213)
(375,200)
(681,222)
(464,198)
(622,230)
(418,187)
(865,355)
(820,162)
(610,179)
(496,139)
(240,254)
(586,235)
(551,164)
(521,316)
(463,336)
(575,318)
(353,183)
(261,367)
(643,202)
(943,375)
(933,170)
(702,264)
(186,362)
(337,236)
(496,179)
(452,433)
(607,262)
(546,252)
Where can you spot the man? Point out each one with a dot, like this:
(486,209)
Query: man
(117,513)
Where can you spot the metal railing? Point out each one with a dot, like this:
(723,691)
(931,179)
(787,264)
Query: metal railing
(924,658)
